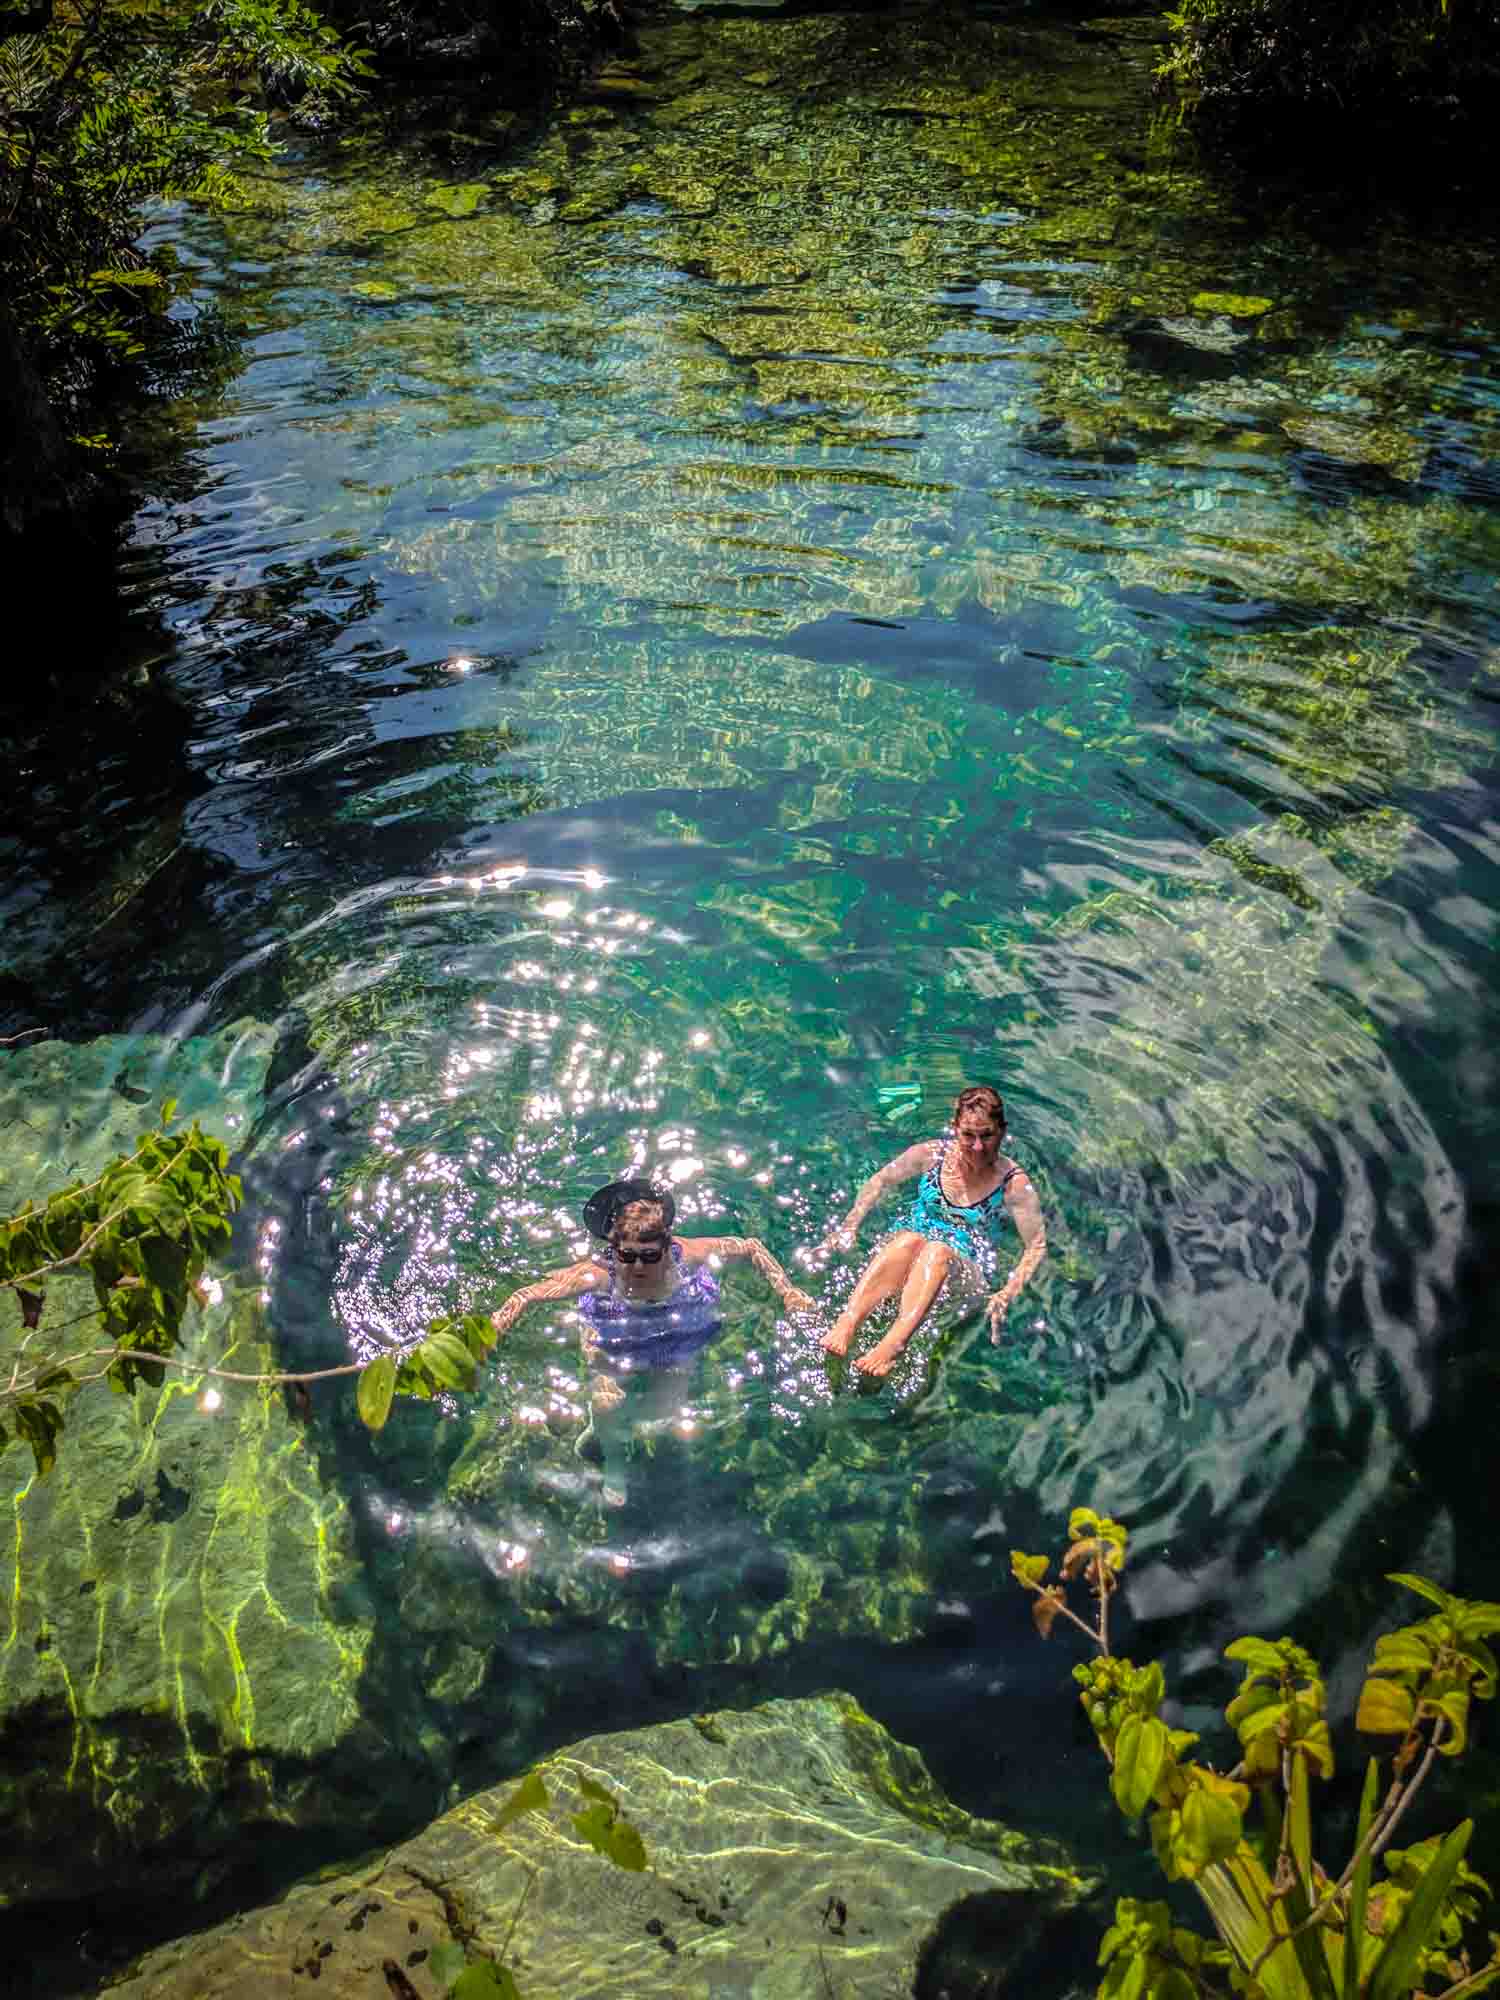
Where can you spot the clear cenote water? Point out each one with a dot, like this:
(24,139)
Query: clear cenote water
(703,631)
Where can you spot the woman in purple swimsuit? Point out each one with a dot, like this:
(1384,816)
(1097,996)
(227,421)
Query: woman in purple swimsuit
(649,1300)
(955,1227)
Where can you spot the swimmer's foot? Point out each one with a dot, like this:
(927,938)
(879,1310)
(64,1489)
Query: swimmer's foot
(881,1358)
(839,1335)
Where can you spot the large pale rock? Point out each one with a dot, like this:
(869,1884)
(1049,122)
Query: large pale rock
(795,1852)
(183,1629)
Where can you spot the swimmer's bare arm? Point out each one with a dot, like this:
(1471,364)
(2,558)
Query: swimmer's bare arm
(697,1248)
(906,1166)
(569,1283)
(1021,1200)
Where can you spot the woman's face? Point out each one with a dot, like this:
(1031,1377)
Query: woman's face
(978,1135)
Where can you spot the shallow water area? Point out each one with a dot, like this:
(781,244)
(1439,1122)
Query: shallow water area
(847,564)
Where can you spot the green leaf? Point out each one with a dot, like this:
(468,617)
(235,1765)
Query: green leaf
(1028,1569)
(594,1824)
(1454,1706)
(447,1360)
(1141,1749)
(483,1980)
(1359,1888)
(1211,1828)
(1482,1664)
(446,1961)
(1395,1970)
(377,1385)
(1433,1592)
(1477,1621)
(1385,1708)
(625,1848)
(591,1790)
(168,1112)
(530,1795)
(1405,1652)
(1258,1654)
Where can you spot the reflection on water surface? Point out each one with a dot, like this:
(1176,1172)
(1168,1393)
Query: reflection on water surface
(844,570)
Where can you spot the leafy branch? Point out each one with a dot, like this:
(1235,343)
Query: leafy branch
(142,1232)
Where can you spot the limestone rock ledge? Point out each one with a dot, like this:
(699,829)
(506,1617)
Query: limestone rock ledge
(795,1851)
(184,1628)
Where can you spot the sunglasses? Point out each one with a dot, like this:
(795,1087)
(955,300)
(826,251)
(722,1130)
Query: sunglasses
(653,1256)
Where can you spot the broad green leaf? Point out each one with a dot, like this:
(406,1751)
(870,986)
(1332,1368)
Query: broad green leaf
(377,1385)
(1433,1592)
(530,1795)
(1395,1970)
(594,1824)
(1403,1652)
(1385,1708)
(591,1790)
(1149,1687)
(1476,1620)
(485,1981)
(447,1360)
(625,1848)
(1314,1746)
(1141,1749)
(1359,1888)
(1211,1829)
(1028,1569)
(446,1961)
(1258,1716)
(1258,1654)
(1483,1665)
(1454,1707)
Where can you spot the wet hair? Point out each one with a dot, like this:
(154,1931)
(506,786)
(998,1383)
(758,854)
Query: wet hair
(644,1218)
(980,1097)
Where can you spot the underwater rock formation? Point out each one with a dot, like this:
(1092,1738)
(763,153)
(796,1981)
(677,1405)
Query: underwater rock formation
(793,1850)
(182,1638)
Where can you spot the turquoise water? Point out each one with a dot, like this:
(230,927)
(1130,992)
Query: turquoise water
(847,564)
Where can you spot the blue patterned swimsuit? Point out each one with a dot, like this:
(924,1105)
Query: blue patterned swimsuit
(974,1231)
(655,1333)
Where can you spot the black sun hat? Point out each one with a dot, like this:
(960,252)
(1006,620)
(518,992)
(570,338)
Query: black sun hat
(601,1210)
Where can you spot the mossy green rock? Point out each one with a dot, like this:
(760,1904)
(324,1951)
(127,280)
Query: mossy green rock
(1238,305)
(793,1851)
(179,1643)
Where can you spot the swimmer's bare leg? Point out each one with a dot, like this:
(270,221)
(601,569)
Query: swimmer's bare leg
(929,1271)
(612,1430)
(885,1273)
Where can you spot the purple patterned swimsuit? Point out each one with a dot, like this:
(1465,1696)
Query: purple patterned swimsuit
(656,1333)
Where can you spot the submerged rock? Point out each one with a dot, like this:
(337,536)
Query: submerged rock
(794,1850)
(182,1638)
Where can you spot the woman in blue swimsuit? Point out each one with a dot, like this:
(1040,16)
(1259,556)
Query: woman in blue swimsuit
(648,1299)
(955,1226)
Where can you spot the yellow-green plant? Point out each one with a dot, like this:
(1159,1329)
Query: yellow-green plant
(1287,1928)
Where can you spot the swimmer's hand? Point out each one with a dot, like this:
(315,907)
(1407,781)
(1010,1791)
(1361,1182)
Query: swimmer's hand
(841,1238)
(997,1306)
(797,1301)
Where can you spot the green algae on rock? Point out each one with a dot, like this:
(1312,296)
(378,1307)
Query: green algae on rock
(184,1634)
(794,1850)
